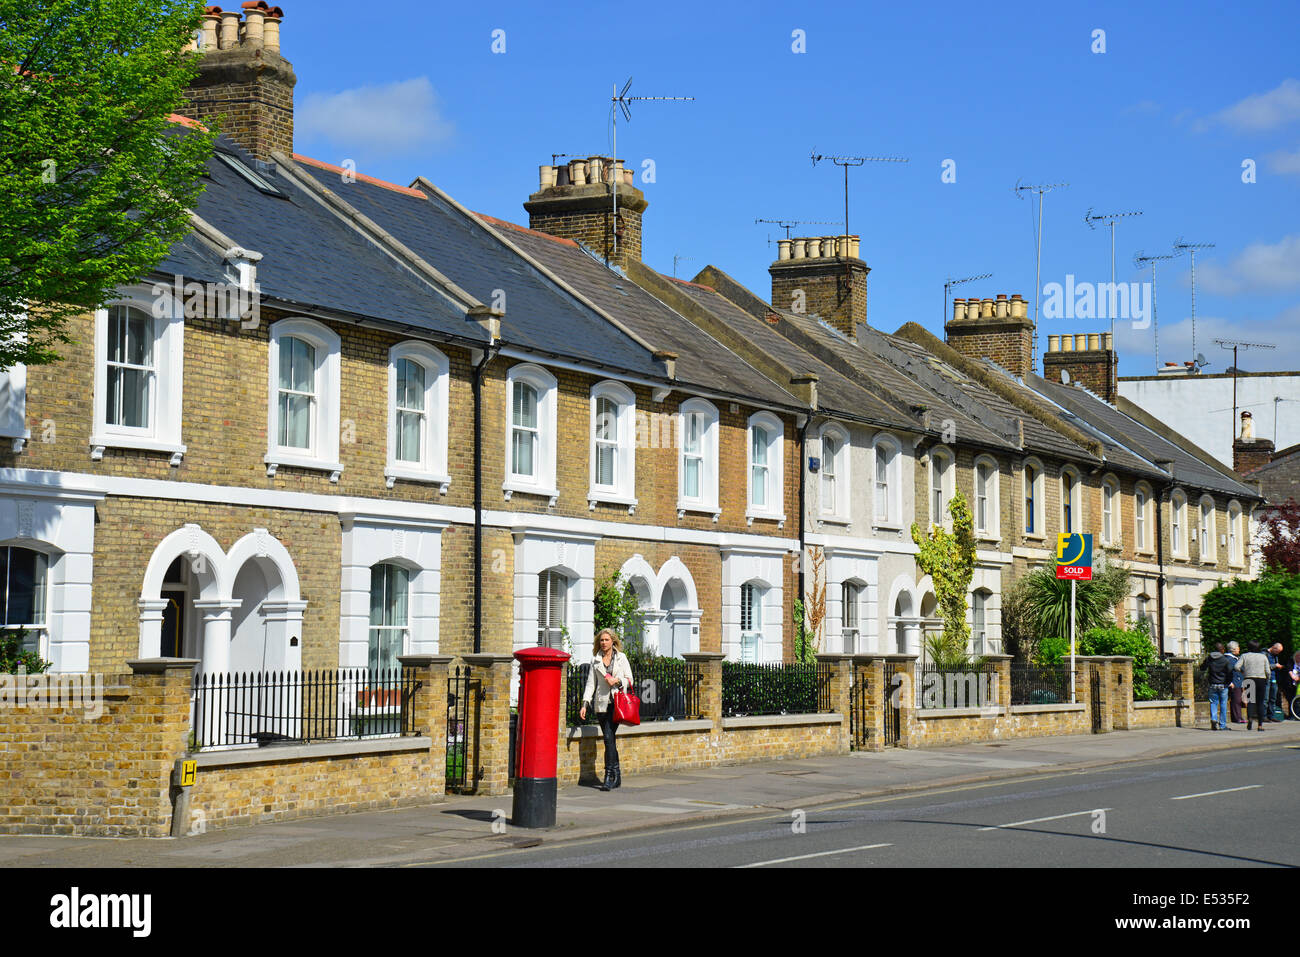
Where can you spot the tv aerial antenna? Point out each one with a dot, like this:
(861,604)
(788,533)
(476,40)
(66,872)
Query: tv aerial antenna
(1109,218)
(1020,189)
(1190,248)
(619,102)
(1140,262)
(788,224)
(1234,345)
(847,162)
(947,287)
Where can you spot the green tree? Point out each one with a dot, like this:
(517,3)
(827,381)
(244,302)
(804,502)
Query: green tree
(617,607)
(12,655)
(1110,640)
(949,559)
(97,179)
(1265,610)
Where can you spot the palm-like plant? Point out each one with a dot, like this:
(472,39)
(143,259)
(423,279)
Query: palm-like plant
(1048,598)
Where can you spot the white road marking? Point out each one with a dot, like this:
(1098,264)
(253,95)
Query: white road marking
(1039,820)
(804,857)
(1185,797)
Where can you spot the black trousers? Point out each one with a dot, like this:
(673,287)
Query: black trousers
(1260,708)
(608,726)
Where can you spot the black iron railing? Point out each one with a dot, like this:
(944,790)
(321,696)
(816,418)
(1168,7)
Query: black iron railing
(1160,682)
(1040,684)
(464,701)
(755,689)
(263,708)
(971,686)
(669,689)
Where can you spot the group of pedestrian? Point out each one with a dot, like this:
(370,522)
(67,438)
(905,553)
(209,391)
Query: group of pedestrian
(1255,684)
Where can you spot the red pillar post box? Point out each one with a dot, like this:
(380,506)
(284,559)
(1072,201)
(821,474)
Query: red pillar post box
(541,671)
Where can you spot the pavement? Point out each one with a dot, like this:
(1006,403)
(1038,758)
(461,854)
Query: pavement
(462,827)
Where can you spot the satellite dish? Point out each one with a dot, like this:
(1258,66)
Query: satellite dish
(1065,377)
(1201,360)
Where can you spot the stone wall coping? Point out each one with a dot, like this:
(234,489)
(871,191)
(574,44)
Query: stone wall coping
(1166,703)
(487,661)
(833,656)
(156,666)
(323,750)
(992,711)
(998,657)
(1179,660)
(424,661)
(117,692)
(777,720)
(867,659)
(1127,658)
(1046,708)
(703,656)
(649,727)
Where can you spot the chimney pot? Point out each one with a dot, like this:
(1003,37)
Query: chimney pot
(855,245)
(1000,308)
(1053,343)
(229,29)
(254,19)
(208,32)
(986,309)
(1107,341)
(783,248)
(1067,343)
(545,176)
(578,172)
(798,248)
(1094,341)
(596,168)
(1247,427)
(958,309)
(972,308)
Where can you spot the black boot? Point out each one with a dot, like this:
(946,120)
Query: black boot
(618,777)
(608,784)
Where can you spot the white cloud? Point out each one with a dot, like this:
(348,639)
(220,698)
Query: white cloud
(1260,111)
(1284,162)
(1258,267)
(1136,346)
(396,118)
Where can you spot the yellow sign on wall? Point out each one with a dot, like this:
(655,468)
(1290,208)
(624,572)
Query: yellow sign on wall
(189,771)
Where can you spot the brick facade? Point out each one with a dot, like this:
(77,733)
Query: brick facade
(833,288)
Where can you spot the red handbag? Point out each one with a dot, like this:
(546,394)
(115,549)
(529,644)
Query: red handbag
(627,708)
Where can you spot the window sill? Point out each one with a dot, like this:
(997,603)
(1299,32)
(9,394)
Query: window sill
(19,439)
(597,497)
(394,472)
(777,517)
(989,539)
(510,488)
(887,527)
(274,461)
(100,441)
(699,507)
(835,520)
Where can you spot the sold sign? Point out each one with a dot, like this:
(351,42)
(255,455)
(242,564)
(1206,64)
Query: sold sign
(1074,557)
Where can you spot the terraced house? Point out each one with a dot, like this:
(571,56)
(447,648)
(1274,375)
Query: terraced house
(346,420)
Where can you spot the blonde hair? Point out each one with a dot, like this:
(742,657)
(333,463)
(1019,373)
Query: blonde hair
(595,645)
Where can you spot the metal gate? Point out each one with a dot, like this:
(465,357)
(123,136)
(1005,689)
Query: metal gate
(464,702)
(858,698)
(890,700)
(1095,692)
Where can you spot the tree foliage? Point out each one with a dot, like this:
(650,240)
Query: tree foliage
(949,559)
(13,657)
(1265,610)
(97,179)
(1110,640)
(617,607)
(1047,600)
(1280,538)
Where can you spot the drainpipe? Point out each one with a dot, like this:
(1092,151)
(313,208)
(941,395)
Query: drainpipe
(480,368)
(803,484)
(1168,466)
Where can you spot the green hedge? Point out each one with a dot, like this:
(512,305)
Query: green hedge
(1266,610)
(1134,642)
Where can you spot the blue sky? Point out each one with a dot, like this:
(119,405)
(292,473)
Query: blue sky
(1161,121)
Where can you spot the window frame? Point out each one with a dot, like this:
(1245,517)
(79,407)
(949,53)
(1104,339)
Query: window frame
(708,500)
(839,464)
(432,468)
(1142,517)
(163,434)
(754,637)
(623,491)
(774,491)
(979,612)
(324,455)
(543,479)
(893,497)
(38,639)
(1111,509)
(1178,524)
(1033,490)
(545,603)
(1207,528)
(946,486)
(1075,500)
(993,530)
(1236,554)
(851,592)
(374,643)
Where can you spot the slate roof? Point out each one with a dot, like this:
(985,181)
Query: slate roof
(310,256)
(702,361)
(539,315)
(1138,444)
(836,393)
(1280,479)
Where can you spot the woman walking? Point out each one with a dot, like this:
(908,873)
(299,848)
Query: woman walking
(610,671)
(1253,666)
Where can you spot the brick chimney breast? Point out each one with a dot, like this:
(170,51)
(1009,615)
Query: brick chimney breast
(573,201)
(1249,452)
(1089,358)
(245,80)
(822,276)
(999,329)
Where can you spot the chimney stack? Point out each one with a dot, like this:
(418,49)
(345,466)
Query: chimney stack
(1090,358)
(1248,452)
(573,201)
(822,276)
(998,329)
(244,80)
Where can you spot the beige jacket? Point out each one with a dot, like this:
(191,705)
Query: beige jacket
(620,668)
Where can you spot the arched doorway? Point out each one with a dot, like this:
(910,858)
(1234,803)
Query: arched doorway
(678,628)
